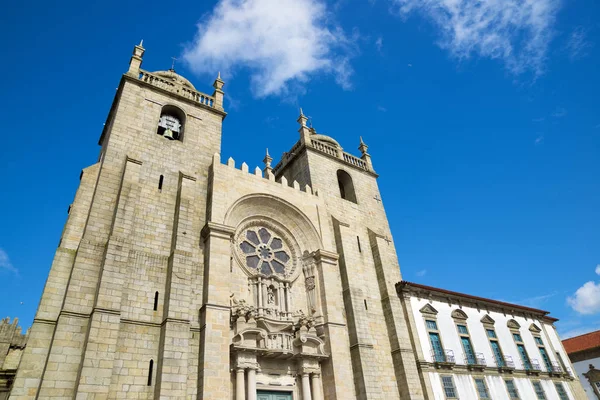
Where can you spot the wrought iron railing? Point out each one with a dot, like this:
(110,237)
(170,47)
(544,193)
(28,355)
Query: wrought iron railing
(475,359)
(556,369)
(532,365)
(443,356)
(504,362)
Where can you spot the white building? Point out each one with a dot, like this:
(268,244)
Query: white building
(584,352)
(470,347)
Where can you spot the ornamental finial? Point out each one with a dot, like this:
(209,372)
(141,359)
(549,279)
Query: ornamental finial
(267,160)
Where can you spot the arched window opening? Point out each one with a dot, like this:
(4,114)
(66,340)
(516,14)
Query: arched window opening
(160,182)
(171,123)
(150,368)
(155,301)
(346,186)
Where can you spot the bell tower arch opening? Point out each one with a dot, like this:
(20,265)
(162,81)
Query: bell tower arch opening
(171,123)
(346,186)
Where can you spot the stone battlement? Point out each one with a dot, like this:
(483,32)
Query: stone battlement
(268,175)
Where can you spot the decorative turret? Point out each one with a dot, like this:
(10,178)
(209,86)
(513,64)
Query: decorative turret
(366,157)
(218,94)
(304,129)
(267,160)
(136,60)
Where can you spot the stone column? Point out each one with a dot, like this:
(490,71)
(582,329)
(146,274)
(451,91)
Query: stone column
(259,294)
(240,387)
(316,387)
(251,384)
(305,386)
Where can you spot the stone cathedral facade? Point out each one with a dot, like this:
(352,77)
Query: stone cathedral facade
(182,275)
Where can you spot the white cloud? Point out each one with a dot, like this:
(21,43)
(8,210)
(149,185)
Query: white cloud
(586,299)
(5,263)
(281,42)
(517,32)
(578,45)
(379,43)
(381,108)
(577,332)
(539,139)
(421,272)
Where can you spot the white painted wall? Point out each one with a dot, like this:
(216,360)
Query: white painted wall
(451,339)
(582,367)
(465,385)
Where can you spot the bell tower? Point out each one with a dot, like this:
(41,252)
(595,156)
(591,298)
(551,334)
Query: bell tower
(368,263)
(119,310)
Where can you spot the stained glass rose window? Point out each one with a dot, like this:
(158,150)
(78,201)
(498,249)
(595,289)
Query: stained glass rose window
(264,251)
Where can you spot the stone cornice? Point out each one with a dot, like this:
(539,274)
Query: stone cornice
(326,256)
(403,288)
(213,229)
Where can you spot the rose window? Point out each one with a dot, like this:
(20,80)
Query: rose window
(264,252)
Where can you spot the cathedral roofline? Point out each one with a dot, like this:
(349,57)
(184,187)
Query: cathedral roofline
(410,287)
(324,150)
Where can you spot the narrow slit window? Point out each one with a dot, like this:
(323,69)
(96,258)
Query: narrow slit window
(358,241)
(150,368)
(160,182)
(366,307)
(155,301)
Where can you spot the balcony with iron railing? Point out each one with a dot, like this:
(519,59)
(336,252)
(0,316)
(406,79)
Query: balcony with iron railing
(475,361)
(504,363)
(532,366)
(443,358)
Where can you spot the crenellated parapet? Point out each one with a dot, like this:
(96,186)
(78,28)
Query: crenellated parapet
(266,176)
(12,343)
(11,334)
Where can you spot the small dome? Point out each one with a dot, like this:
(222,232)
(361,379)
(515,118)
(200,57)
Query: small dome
(173,76)
(326,139)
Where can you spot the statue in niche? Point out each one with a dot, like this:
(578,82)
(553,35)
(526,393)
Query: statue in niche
(270,295)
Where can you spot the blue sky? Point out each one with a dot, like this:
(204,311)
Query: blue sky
(481,117)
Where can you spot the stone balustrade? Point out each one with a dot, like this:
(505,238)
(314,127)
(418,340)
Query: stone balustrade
(181,90)
(332,151)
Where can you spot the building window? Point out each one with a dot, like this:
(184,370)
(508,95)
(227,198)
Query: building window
(482,389)
(346,186)
(264,252)
(562,363)
(449,388)
(511,389)
(465,340)
(171,123)
(438,354)
(432,325)
(150,368)
(539,390)
(543,353)
(522,352)
(562,394)
(495,345)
